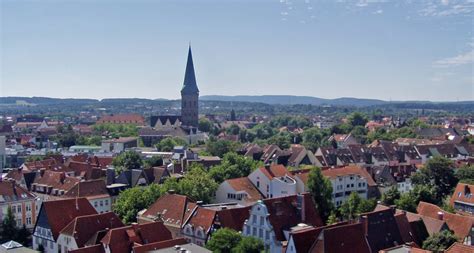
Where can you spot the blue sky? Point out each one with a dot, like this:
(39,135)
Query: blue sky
(400,50)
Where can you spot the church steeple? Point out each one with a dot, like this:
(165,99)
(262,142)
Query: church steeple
(190,95)
(189,84)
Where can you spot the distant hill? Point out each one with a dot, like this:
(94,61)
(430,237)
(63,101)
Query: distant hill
(292,100)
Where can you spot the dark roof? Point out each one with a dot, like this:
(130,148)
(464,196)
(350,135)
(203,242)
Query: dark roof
(284,213)
(233,218)
(124,238)
(342,239)
(381,229)
(163,119)
(189,84)
(60,213)
(82,228)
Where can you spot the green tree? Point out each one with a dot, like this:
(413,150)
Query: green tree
(409,201)
(127,160)
(233,166)
(133,200)
(312,138)
(367,205)
(154,161)
(357,119)
(221,147)
(168,143)
(198,185)
(9,229)
(465,174)
(349,209)
(204,125)
(332,219)
(439,242)
(389,197)
(233,129)
(321,189)
(283,141)
(23,236)
(438,173)
(223,240)
(249,245)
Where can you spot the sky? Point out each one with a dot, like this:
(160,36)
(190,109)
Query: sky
(390,50)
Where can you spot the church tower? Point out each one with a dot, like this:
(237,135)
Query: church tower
(190,95)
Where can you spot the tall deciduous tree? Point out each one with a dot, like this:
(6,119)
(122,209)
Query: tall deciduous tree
(249,245)
(133,200)
(198,185)
(9,229)
(389,197)
(128,160)
(321,189)
(439,174)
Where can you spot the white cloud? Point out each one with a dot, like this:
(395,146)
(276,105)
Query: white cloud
(445,8)
(378,12)
(461,59)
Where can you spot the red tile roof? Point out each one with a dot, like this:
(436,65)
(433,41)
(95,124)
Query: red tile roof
(10,191)
(342,239)
(122,118)
(284,213)
(303,239)
(458,247)
(244,184)
(159,245)
(202,218)
(460,225)
(173,208)
(90,249)
(272,171)
(92,188)
(463,193)
(84,227)
(60,213)
(125,238)
(349,170)
(233,218)
(56,180)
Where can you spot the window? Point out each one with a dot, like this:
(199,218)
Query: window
(262,220)
(95,203)
(101,203)
(106,202)
(254,219)
(260,233)
(28,221)
(254,231)
(13,209)
(19,208)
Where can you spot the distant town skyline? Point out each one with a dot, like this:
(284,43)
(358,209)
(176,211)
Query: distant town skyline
(401,50)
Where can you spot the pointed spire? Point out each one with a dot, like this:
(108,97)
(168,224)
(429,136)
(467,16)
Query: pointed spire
(189,85)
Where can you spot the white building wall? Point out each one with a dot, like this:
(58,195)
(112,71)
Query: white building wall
(102,205)
(66,243)
(261,182)
(342,187)
(258,225)
(282,187)
(42,236)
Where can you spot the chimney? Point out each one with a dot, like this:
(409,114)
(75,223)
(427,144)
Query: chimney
(199,202)
(440,215)
(171,191)
(267,166)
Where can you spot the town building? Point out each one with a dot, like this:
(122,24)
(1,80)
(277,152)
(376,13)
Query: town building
(23,204)
(53,216)
(462,199)
(273,181)
(239,190)
(271,219)
(119,145)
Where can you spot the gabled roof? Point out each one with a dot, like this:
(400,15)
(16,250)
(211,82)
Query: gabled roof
(189,84)
(272,171)
(458,247)
(124,238)
(60,213)
(342,239)
(463,193)
(122,118)
(89,249)
(202,218)
(11,192)
(93,188)
(349,170)
(244,184)
(174,209)
(303,239)
(284,213)
(381,229)
(233,218)
(82,228)
(159,245)
(459,224)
